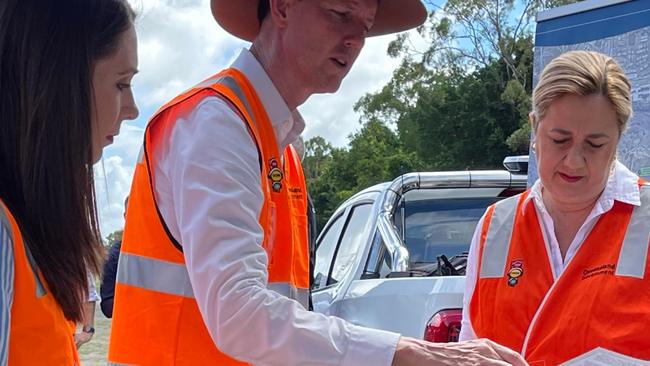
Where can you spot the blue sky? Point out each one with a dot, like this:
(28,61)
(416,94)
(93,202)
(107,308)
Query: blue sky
(179,45)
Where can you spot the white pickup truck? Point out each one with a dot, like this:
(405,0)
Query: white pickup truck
(393,256)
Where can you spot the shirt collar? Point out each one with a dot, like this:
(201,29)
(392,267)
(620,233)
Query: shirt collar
(622,185)
(287,124)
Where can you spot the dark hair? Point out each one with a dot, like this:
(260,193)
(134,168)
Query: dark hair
(263,8)
(47,53)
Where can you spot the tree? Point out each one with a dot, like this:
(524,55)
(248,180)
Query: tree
(450,119)
(318,156)
(318,152)
(474,34)
(114,237)
(333,175)
(376,155)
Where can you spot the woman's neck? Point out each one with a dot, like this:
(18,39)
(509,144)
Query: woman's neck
(567,219)
(572,209)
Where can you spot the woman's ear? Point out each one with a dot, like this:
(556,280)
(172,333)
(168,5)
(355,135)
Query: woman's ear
(533,126)
(532,119)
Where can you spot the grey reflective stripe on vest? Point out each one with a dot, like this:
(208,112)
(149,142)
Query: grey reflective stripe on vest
(205,84)
(232,85)
(4,220)
(141,154)
(286,289)
(173,279)
(634,252)
(40,288)
(117,364)
(497,242)
(154,274)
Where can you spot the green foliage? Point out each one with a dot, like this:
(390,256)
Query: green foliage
(114,237)
(375,155)
(473,35)
(318,153)
(519,141)
(451,119)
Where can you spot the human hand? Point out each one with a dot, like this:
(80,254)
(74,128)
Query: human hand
(81,338)
(415,352)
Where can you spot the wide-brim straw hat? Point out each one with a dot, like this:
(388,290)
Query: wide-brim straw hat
(239,17)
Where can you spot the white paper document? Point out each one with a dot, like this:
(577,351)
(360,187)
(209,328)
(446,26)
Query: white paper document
(603,357)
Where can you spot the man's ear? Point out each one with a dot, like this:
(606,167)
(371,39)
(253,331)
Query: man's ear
(278,11)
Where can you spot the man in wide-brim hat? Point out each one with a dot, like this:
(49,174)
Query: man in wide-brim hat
(214,267)
(243,18)
(311,42)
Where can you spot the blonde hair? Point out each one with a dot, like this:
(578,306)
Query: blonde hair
(583,73)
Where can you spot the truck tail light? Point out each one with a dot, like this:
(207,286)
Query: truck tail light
(444,326)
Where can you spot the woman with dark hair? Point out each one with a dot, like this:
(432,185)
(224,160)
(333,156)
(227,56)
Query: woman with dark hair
(65,73)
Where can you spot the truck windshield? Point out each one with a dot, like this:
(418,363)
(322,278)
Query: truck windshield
(437,226)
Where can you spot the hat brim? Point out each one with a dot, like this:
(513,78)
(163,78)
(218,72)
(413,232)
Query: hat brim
(239,17)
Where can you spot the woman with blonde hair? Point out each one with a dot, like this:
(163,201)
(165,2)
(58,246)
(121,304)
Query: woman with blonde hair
(562,271)
(65,73)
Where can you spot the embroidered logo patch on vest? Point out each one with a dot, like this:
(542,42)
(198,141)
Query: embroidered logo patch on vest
(515,272)
(275,175)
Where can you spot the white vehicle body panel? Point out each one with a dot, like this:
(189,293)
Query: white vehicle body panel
(402,304)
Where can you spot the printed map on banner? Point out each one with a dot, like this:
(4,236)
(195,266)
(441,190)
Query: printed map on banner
(631,48)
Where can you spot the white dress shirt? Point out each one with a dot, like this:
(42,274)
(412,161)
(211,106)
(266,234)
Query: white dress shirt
(92,289)
(622,185)
(208,188)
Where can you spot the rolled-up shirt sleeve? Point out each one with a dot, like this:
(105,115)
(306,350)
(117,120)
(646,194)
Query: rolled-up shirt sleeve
(92,289)
(7,271)
(209,192)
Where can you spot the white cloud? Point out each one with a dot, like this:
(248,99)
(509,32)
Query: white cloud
(180,44)
(113,175)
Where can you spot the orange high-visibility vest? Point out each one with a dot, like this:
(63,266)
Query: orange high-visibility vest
(39,332)
(602,299)
(156,320)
